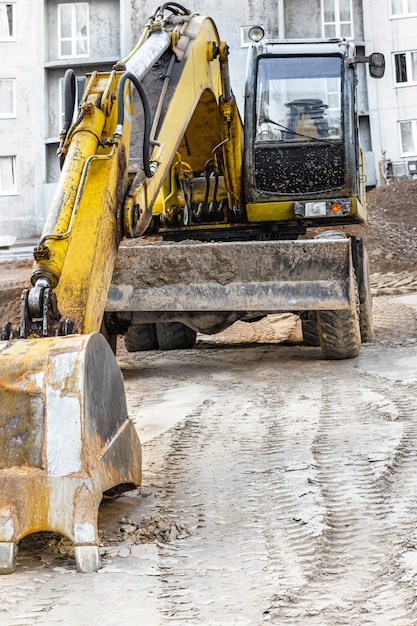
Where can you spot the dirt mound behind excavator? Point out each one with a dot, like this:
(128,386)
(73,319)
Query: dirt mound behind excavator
(390,234)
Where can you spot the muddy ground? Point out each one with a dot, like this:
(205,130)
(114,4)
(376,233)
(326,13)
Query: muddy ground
(278,487)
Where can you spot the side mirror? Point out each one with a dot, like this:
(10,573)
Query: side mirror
(376,65)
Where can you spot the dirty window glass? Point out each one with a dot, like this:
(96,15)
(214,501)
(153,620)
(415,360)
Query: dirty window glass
(7,97)
(408,134)
(414,66)
(403,7)
(337,18)
(299,99)
(400,68)
(7,175)
(405,64)
(73,30)
(7,21)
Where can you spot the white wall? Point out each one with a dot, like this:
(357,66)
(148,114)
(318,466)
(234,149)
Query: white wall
(22,214)
(389,104)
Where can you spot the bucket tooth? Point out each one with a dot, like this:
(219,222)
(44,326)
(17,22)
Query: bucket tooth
(8,557)
(87,558)
(65,438)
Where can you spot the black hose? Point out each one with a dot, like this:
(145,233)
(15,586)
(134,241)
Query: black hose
(174,7)
(147,117)
(69,99)
(170,7)
(70,94)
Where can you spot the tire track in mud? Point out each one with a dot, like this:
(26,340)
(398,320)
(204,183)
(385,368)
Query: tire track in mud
(258,511)
(356,577)
(394,319)
(296,477)
(397,580)
(295,488)
(203,491)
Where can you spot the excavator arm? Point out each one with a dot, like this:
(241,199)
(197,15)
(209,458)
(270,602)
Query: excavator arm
(63,417)
(183,118)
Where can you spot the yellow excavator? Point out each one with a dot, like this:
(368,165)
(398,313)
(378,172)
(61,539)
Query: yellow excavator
(171,217)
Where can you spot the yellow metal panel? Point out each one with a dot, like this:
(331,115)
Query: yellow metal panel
(83,144)
(358,209)
(89,261)
(270,211)
(284,211)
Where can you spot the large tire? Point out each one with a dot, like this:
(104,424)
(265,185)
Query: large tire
(310,329)
(140,337)
(175,336)
(339,332)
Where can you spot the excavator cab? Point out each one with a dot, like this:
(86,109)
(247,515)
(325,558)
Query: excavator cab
(302,146)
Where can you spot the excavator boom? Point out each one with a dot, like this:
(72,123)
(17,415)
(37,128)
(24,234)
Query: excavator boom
(170,213)
(63,420)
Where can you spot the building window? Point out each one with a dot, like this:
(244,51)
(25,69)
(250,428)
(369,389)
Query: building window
(7,175)
(7,21)
(7,97)
(405,64)
(73,35)
(337,18)
(399,8)
(408,137)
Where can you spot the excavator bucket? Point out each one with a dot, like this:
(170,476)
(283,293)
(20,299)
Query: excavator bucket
(65,438)
(271,276)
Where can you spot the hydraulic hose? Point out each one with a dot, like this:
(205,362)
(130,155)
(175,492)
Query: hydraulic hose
(147,118)
(69,99)
(174,7)
(70,94)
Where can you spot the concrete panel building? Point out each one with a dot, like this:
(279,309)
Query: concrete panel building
(22,120)
(41,39)
(391,27)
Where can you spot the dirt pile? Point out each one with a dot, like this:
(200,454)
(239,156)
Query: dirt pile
(390,234)
(14,277)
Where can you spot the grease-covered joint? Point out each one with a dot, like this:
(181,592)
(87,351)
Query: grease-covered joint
(9,331)
(35,296)
(223,51)
(41,252)
(213,50)
(47,273)
(228,110)
(86,108)
(120,66)
(175,37)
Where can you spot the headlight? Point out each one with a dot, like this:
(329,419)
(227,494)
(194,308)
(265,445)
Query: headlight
(315,209)
(256,33)
(322,208)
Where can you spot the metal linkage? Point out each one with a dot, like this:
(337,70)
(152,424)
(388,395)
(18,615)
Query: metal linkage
(39,315)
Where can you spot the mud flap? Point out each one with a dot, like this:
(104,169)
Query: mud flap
(65,438)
